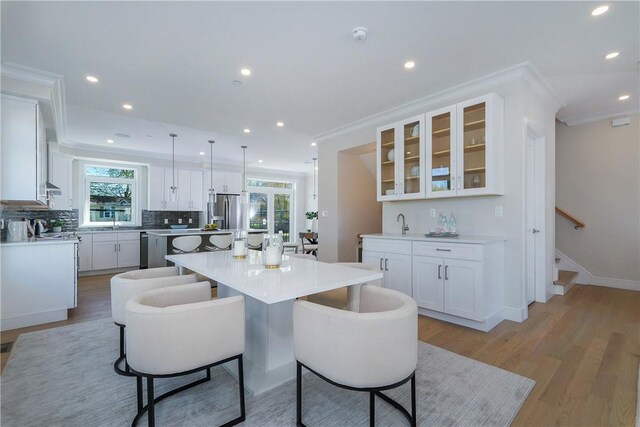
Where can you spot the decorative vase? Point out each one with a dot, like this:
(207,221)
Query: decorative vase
(314,225)
(240,246)
(57,229)
(272,250)
(391,155)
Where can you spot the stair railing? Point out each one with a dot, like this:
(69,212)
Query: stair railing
(577,223)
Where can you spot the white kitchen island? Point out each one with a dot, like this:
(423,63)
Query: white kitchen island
(39,281)
(269,296)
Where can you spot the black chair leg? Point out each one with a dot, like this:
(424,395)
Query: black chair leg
(372,408)
(241,387)
(150,409)
(413,401)
(121,341)
(139,393)
(299,394)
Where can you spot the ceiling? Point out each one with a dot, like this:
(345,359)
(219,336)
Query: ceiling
(175,63)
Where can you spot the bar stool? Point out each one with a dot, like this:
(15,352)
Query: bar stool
(186,244)
(254,241)
(220,242)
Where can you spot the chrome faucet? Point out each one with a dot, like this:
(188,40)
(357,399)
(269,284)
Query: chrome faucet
(405,227)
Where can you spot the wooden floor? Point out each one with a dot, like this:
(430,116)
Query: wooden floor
(582,349)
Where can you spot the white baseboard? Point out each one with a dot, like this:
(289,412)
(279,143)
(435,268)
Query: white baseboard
(566,263)
(485,326)
(34,319)
(609,282)
(515,314)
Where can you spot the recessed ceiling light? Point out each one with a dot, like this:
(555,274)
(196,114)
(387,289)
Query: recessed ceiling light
(279,124)
(92,79)
(599,10)
(260,161)
(313,144)
(247,131)
(623,97)
(127,106)
(245,72)
(612,55)
(409,65)
(110,141)
(202,153)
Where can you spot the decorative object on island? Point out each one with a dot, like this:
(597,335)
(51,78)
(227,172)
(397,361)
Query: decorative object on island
(173,190)
(211,202)
(240,247)
(57,224)
(272,250)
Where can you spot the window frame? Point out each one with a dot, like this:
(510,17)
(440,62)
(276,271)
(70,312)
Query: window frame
(271,192)
(85,197)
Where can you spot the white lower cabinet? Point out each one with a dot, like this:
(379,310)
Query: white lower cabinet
(85,252)
(395,264)
(458,282)
(114,250)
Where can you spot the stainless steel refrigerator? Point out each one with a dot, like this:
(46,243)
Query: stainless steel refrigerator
(226,211)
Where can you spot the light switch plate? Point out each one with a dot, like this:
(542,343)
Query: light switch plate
(432,213)
(325,214)
(499,211)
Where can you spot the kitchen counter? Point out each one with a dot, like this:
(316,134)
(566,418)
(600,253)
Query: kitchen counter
(44,241)
(422,238)
(190,231)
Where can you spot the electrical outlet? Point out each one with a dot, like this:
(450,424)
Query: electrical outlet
(179,220)
(190,220)
(432,213)
(498,211)
(325,214)
(166,221)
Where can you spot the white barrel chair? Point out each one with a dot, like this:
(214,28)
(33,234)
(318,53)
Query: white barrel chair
(372,350)
(220,242)
(126,285)
(347,298)
(169,334)
(254,241)
(186,244)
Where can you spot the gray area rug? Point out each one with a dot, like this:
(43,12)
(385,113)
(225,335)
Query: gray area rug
(64,377)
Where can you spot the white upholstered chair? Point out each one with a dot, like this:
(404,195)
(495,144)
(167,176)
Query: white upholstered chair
(254,241)
(186,244)
(220,242)
(347,298)
(372,350)
(126,285)
(170,333)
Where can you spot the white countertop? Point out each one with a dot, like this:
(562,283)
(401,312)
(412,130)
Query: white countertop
(423,238)
(44,241)
(189,231)
(295,278)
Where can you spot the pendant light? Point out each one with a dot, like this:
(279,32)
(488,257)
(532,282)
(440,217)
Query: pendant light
(173,190)
(245,195)
(315,160)
(212,191)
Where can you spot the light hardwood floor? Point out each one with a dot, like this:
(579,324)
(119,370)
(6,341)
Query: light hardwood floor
(582,349)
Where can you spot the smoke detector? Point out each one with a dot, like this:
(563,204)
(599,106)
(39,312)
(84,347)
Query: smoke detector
(359,34)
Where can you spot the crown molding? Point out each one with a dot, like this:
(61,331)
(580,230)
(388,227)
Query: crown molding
(51,81)
(581,120)
(524,70)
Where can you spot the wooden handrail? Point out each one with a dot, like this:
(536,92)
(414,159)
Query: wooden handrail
(573,219)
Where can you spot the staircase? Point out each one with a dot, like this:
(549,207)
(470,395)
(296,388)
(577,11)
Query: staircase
(564,280)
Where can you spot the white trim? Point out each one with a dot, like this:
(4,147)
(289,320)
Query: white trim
(32,319)
(581,120)
(610,282)
(485,326)
(515,314)
(566,263)
(524,70)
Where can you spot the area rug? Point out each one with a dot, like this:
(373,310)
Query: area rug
(64,377)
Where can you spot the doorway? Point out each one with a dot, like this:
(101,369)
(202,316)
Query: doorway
(271,207)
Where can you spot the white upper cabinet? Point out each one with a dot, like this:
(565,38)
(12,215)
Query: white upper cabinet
(24,151)
(465,148)
(60,175)
(223,182)
(400,151)
(190,192)
(156,189)
(197,190)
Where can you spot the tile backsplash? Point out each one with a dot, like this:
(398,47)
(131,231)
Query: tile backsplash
(155,219)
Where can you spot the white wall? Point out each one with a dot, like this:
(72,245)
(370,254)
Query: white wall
(475,215)
(598,181)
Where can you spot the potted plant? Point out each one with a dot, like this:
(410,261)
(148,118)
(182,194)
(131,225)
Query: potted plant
(57,224)
(313,217)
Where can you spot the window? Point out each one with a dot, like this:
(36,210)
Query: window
(110,195)
(271,206)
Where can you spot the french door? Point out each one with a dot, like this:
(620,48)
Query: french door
(271,209)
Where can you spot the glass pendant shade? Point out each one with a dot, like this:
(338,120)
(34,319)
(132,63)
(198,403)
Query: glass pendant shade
(173,190)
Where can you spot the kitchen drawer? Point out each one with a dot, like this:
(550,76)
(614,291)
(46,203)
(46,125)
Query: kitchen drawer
(394,246)
(448,250)
(105,237)
(132,235)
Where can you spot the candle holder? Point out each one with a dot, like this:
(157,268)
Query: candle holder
(240,246)
(271,250)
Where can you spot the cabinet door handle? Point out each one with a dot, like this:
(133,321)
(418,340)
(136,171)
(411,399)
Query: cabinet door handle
(440,271)
(446,272)
(118,247)
(386,264)
(443,250)
(381,264)
(459,183)
(453,182)
(115,247)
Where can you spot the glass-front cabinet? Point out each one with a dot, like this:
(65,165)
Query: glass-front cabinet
(464,144)
(401,174)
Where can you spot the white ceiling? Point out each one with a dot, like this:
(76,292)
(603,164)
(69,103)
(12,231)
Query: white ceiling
(175,63)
